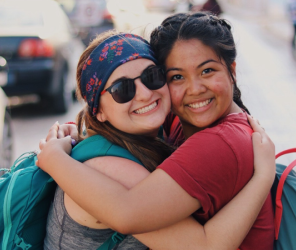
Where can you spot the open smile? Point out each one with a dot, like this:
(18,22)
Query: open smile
(197,105)
(147,108)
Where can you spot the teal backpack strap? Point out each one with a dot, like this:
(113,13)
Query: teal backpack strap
(112,241)
(19,242)
(91,147)
(96,146)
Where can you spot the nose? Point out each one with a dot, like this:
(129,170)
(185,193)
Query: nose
(195,87)
(142,92)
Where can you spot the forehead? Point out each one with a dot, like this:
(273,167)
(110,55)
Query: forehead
(185,51)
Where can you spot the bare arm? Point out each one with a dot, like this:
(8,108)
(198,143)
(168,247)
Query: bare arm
(230,229)
(188,234)
(128,173)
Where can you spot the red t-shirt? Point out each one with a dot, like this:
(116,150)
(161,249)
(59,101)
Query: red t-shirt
(173,130)
(213,166)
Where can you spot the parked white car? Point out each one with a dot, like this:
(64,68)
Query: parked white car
(6,140)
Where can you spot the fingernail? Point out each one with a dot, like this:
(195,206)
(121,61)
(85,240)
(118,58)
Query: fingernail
(73,142)
(57,123)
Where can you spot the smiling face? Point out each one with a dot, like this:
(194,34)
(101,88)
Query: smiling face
(145,113)
(200,85)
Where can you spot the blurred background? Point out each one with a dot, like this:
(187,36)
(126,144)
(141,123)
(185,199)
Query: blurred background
(41,41)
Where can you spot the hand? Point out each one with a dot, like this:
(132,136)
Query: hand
(264,151)
(52,146)
(62,131)
(67,129)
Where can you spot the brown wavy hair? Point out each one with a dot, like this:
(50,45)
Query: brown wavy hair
(150,151)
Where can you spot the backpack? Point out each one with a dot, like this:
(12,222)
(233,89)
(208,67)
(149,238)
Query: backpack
(283,193)
(26,193)
(284,198)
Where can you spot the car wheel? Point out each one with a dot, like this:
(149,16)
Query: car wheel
(6,147)
(63,99)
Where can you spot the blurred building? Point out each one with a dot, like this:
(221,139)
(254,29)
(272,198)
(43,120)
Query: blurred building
(271,14)
(89,17)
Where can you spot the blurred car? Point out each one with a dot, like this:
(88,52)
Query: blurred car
(162,5)
(6,140)
(42,50)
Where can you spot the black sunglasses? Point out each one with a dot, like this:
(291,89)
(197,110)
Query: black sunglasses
(124,90)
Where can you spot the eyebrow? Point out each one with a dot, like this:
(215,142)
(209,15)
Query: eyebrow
(199,66)
(205,62)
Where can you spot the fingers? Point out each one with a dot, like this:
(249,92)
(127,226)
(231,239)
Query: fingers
(67,129)
(255,124)
(53,132)
(260,136)
(61,133)
(73,132)
(42,143)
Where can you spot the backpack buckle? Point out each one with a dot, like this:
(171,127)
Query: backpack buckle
(21,243)
(118,237)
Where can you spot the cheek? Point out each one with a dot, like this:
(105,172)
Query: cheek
(222,88)
(115,112)
(164,91)
(176,95)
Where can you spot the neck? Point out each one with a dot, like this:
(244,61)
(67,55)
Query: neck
(153,133)
(189,129)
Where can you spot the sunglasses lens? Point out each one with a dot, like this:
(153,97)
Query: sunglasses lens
(153,78)
(123,91)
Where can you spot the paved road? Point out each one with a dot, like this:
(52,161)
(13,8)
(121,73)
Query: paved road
(266,73)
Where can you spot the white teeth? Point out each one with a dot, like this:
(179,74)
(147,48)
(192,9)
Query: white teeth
(146,109)
(200,104)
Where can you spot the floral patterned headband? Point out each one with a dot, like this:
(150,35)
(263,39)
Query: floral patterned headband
(105,58)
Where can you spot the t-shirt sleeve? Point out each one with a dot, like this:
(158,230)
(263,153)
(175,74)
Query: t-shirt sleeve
(205,167)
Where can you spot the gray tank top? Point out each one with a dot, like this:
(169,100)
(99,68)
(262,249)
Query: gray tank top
(63,233)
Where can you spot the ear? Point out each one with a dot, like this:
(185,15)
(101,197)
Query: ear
(233,69)
(101,116)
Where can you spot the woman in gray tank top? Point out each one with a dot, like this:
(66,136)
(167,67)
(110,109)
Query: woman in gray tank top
(109,59)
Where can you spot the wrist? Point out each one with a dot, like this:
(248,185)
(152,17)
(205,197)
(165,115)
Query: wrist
(52,164)
(264,179)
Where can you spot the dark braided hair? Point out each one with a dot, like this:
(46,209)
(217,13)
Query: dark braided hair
(211,30)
